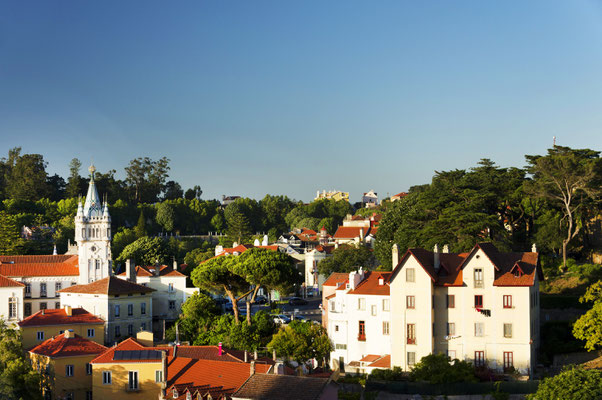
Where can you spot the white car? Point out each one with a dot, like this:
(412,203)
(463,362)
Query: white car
(281,319)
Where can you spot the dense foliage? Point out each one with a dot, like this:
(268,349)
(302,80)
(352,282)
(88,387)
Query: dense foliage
(301,342)
(347,259)
(571,384)
(589,326)
(439,368)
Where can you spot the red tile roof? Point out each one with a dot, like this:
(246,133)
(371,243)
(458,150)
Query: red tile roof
(60,317)
(218,378)
(370,285)
(61,346)
(325,248)
(164,270)
(273,386)
(7,282)
(370,358)
(384,362)
(129,344)
(351,232)
(59,265)
(110,285)
(241,248)
(335,278)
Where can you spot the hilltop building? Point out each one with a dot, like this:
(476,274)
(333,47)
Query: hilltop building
(332,195)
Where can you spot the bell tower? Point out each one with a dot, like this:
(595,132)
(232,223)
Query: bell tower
(93,236)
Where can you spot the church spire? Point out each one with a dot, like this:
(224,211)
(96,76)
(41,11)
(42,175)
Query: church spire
(93,205)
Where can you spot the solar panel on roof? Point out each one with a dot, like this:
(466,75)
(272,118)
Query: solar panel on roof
(137,355)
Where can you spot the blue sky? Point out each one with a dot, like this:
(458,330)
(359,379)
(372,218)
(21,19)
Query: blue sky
(285,97)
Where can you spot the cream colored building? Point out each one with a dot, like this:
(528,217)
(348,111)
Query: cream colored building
(332,195)
(11,292)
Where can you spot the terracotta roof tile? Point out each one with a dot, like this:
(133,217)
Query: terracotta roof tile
(60,317)
(18,266)
(39,259)
(351,232)
(129,344)
(370,285)
(273,386)
(384,362)
(370,358)
(61,346)
(149,271)
(110,285)
(335,278)
(7,282)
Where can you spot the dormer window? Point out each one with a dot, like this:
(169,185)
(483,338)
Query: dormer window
(175,393)
(517,271)
(188,396)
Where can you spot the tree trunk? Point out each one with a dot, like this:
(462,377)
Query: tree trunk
(564,243)
(234,301)
(250,303)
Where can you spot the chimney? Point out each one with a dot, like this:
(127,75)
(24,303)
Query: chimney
(130,270)
(381,281)
(274,355)
(361,234)
(219,349)
(255,355)
(68,311)
(246,356)
(534,248)
(445,248)
(395,255)
(178,335)
(164,369)
(436,262)
(157,267)
(175,264)
(69,334)
(252,368)
(355,278)
(43,312)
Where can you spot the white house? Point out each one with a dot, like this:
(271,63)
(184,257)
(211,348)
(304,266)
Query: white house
(11,310)
(370,199)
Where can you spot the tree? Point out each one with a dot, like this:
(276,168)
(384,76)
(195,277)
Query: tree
(166,216)
(197,317)
(265,268)
(27,178)
(567,177)
(193,193)
(239,229)
(147,178)
(573,383)
(589,326)
(438,368)
(216,275)
(56,187)
(173,191)
(140,228)
(120,240)
(346,259)
(18,380)
(146,251)
(218,222)
(10,239)
(302,341)
(74,182)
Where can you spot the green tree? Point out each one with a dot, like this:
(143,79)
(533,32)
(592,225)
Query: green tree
(166,216)
(197,317)
(216,275)
(74,182)
(301,341)
(146,251)
(27,179)
(265,268)
(218,223)
(173,191)
(589,326)
(120,240)
(346,259)
(239,229)
(18,380)
(140,228)
(571,384)
(438,368)
(10,239)
(568,178)
(193,193)
(146,178)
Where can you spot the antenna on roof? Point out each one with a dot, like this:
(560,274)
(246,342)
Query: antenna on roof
(554,141)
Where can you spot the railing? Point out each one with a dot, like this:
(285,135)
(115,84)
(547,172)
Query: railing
(131,388)
(42,294)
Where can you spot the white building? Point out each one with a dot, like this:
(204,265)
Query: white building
(481,306)
(312,258)
(370,199)
(12,291)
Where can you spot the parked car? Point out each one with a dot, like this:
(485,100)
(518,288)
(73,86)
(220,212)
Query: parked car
(261,300)
(281,319)
(299,317)
(297,301)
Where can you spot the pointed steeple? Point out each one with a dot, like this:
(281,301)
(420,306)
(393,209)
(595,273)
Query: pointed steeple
(80,208)
(92,206)
(105,210)
(54,252)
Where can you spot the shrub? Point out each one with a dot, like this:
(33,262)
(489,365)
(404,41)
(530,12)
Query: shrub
(439,368)
(571,384)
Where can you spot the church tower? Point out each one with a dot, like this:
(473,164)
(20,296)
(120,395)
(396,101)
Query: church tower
(93,236)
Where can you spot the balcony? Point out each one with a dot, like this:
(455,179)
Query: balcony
(43,294)
(132,388)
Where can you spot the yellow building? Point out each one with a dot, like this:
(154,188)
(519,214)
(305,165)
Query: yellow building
(332,195)
(64,362)
(48,323)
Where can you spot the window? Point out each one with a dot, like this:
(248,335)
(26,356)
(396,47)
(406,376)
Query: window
(336,328)
(410,302)
(332,305)
(451,301)
(411,333)
(117,331)
(508,360)
(411,357)
(373,308)
(40,335)
(361,304)
(42,289)
(143,326)
(57,305)
(478,301)
(362,332)
(507,330)
(385,304)
(73,283)
(88,369)
(508,301)
(130,330)
(478,329)
(410,275)
(69,370)
(340,346)
(117,311)
(133,380)
(172,304)
(28,290)
(90,332)
(143,308)
(12,307)
(57,286)
(479,358)
(451,329)
(106,377)
(158,376)
(130,310)
(171,290)
(451,354)
(27,310)
(478,277)
(43,306)
(88,395)
(385,327)
(97,265)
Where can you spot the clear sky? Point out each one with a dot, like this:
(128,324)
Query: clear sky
(289,97)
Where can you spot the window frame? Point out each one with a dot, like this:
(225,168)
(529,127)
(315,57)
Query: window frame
(479,358)
(451,301)
(386,328)
(386,305)
(92,331)
(481,331)
(69,370)
(107,378)
(361,304)
(411,302)
(361,335)
(411,333)
(478,278)
(413,353)
(451,329)
(507,330)
(507,301)
(478,298)
(508,360)
(88,369)
(131,386)
(411,275)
